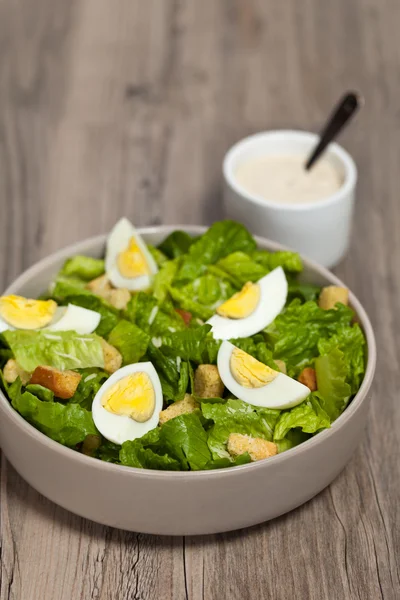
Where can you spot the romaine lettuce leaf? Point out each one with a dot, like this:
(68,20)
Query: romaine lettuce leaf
(41,392)
(242,268)
(295,334)
(185,302)
(163,279)
(308,416)
(62,349)
(351,341)
(83,267)
(89,385)
(196,345)
(109,315)
(108,452)
(174,373)
(333,391)
(235,416)
(221,239)
(67,424)
(143,310)
(304,291)
(207,291)
(158,256)
(130,340)
(223,463)
(133,454)
(289,261)
(65,286)
(176,244)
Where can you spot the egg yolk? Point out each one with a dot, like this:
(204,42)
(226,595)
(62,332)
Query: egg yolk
(132,396)
(23,313)
(242,304)
(249,372)
(132,261)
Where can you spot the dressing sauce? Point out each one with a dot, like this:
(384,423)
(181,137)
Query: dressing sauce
(283,179)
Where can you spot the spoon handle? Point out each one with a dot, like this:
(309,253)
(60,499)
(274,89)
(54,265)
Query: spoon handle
(342,114)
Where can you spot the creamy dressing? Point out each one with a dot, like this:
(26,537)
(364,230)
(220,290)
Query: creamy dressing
(283,179)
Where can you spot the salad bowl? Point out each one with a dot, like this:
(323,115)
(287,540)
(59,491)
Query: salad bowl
(181,503)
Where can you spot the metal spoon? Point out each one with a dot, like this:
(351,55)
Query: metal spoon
(341,115)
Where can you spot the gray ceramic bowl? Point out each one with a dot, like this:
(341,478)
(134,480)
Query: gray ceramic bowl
(180,503)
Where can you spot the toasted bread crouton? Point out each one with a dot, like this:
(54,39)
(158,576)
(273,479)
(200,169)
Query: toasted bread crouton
(119,298)
(281,365)
(182,407)
(207,382)
(308,377)
(256,447)
(112,357)
(12,371)
(62,383)
(331,294)
(100,286)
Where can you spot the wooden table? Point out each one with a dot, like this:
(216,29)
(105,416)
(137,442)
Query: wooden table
(126,107)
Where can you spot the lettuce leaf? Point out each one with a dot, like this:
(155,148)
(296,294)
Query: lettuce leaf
(304,291)
(203,295)
(144,311)
(89,385)
(41,392)
(65,286)
(176,244)
(184,301)
(223,463)
(83,267)
(163,279)
(108,452)
(130,340)
(242,268)
(235,416)
(67,424)
(351,342)
(62,349)
(158,256)
(308,416)
(295,334)
(180,444)
(290,262)
(196,345)
(109,315)
(221,239)
(333,391)
(173,372)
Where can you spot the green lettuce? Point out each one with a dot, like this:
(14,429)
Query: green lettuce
(144,311)
(221,239)
(176,244)
(130,340)
(304,291)
(351,342)
(295,334)
(41,392)
(67,424)
(196,345)
(62,349)
(308,416)
(83,267)
(89,385)
(235,416)
(174,373)
(290,262)
(108,452)
(242,268)
(158,256)
(65,286)
(184,301)
(208,290)
(333,391)
(163,279)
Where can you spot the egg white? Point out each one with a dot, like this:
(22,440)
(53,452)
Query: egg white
(75,318)
(117,242)
(273,294)
(120,428)
(282,392)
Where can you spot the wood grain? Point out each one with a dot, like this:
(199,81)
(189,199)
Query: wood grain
(127,107)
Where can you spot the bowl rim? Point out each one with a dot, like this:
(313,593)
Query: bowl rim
(349,168)
(69,453)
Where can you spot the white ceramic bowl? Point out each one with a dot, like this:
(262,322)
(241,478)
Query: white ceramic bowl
(179,503)
(319,230)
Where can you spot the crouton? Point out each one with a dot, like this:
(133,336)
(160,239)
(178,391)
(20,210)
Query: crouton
(112,357)
(182,407)
(119,298)
(12,371)
(256,447)
(186,316)
(207,382)
(100,286)
(62,383)
(332,294)
(308,377)
(281,365)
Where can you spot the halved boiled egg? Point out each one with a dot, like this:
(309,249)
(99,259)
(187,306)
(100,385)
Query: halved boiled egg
(255,383)
(75,318)
(17,312)
(129,264)
(251,309)
(129,403)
